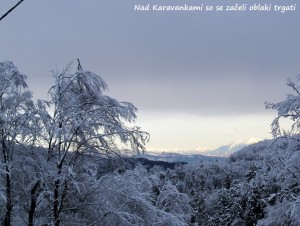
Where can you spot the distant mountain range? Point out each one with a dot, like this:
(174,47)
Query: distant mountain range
(227,150)
(197,156)
(177,157)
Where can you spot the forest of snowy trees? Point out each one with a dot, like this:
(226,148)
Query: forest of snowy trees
(62,163)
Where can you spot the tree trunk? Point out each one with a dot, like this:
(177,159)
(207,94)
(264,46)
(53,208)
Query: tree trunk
(56,203)
(34,196)
(7,218)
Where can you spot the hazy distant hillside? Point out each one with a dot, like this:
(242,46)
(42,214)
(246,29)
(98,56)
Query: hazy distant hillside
(215,155)
(176,157)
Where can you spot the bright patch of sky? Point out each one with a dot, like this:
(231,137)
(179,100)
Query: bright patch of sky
(188,132)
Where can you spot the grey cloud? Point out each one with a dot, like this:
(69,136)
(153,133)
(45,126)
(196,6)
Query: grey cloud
(204,63)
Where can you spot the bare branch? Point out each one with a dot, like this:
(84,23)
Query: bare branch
(79,68)
(9,11)
(293,85)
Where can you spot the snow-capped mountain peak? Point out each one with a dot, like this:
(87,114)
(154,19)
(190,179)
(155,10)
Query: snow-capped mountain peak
(227,150)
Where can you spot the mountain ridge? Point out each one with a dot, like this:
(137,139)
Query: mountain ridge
(227,150)
(196,156)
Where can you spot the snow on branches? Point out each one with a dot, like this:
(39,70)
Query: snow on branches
(289,108)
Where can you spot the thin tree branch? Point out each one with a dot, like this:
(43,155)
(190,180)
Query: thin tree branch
(9,11)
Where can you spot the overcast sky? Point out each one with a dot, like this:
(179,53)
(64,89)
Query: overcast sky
(199,79)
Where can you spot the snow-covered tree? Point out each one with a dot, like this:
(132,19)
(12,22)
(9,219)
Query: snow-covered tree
(282,172)
(16,113)
(289,108)
(128,199)
(80,120)
(174,202)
